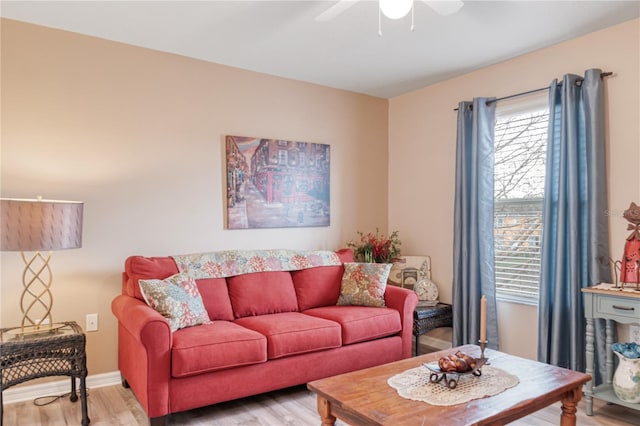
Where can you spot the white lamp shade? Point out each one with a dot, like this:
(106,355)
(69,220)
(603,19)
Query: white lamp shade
(34,225)
(395,9)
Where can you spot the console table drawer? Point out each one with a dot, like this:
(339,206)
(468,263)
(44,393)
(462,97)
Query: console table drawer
(622,307)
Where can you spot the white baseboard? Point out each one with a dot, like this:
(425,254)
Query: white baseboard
(58,387)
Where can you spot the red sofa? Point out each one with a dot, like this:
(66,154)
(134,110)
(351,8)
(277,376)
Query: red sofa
(268,330)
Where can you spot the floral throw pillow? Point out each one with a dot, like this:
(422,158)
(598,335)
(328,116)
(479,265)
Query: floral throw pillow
(363,284)
(177,299)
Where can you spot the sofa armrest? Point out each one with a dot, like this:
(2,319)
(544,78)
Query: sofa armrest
(136,316)
(144,352)
(404,301)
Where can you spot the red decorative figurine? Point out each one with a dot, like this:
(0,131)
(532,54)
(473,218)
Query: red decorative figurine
(630,268)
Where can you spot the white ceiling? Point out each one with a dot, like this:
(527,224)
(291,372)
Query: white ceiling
(282,38)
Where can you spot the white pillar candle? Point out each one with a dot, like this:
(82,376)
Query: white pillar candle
(483,319)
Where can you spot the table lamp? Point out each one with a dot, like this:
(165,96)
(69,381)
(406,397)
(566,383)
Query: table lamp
(35,226)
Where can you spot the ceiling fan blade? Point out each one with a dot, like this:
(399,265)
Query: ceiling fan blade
(445,7)
(335,10)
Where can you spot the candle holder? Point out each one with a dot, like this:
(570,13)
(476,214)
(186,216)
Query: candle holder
(483,344)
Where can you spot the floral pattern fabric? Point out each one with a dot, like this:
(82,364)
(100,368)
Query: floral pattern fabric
(364,284)
(229,263)
(177,299)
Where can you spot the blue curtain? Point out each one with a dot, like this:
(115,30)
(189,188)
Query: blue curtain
(473,248)
(575,234)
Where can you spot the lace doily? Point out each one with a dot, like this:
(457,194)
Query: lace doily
(414,384)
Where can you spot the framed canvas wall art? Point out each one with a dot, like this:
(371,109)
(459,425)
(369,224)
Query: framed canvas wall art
(274,183)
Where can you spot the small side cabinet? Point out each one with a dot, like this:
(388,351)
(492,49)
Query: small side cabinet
(614,305)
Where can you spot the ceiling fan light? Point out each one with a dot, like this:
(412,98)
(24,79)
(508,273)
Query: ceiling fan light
(395,9)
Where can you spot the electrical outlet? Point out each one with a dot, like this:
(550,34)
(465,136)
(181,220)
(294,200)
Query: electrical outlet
(634,333)
(92,322)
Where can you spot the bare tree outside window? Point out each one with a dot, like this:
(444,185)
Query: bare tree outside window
(520,153)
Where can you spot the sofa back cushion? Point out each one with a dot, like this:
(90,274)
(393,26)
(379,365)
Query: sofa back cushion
(320,286)
(262,293)
(215,296)
(138,268)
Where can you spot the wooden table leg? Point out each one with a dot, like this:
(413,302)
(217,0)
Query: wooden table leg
(324,409)
(570,406)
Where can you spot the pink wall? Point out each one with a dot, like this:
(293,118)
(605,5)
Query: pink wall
(138,135)
(422,138)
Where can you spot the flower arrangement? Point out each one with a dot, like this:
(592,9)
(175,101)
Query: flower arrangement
(376,248)
(627,350)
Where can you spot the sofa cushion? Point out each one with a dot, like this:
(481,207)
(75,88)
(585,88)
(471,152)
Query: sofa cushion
(360,323)
(294,333)
(215,297)
(143,268)
(262,293)
(320,286)
(363,284)
(215,346)
(177,299)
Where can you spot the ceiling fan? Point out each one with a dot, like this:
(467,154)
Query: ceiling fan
(393,9)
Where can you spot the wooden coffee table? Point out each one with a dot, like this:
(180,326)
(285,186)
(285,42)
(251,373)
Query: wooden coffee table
(364,397)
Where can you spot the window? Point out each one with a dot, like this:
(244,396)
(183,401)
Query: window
(282,157)
(520,153)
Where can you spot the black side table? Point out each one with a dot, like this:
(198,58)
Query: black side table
(426,318)
(56,353)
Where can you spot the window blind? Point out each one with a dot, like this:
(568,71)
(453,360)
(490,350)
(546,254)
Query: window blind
(520,152)
(517,233)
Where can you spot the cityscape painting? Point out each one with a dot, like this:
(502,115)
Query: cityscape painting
(274,183)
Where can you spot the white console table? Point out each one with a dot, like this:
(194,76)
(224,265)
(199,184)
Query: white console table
(622,306)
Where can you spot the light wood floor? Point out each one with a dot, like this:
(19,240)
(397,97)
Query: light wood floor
(114,405)
(296,406)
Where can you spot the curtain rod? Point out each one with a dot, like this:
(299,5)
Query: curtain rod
(602,75)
